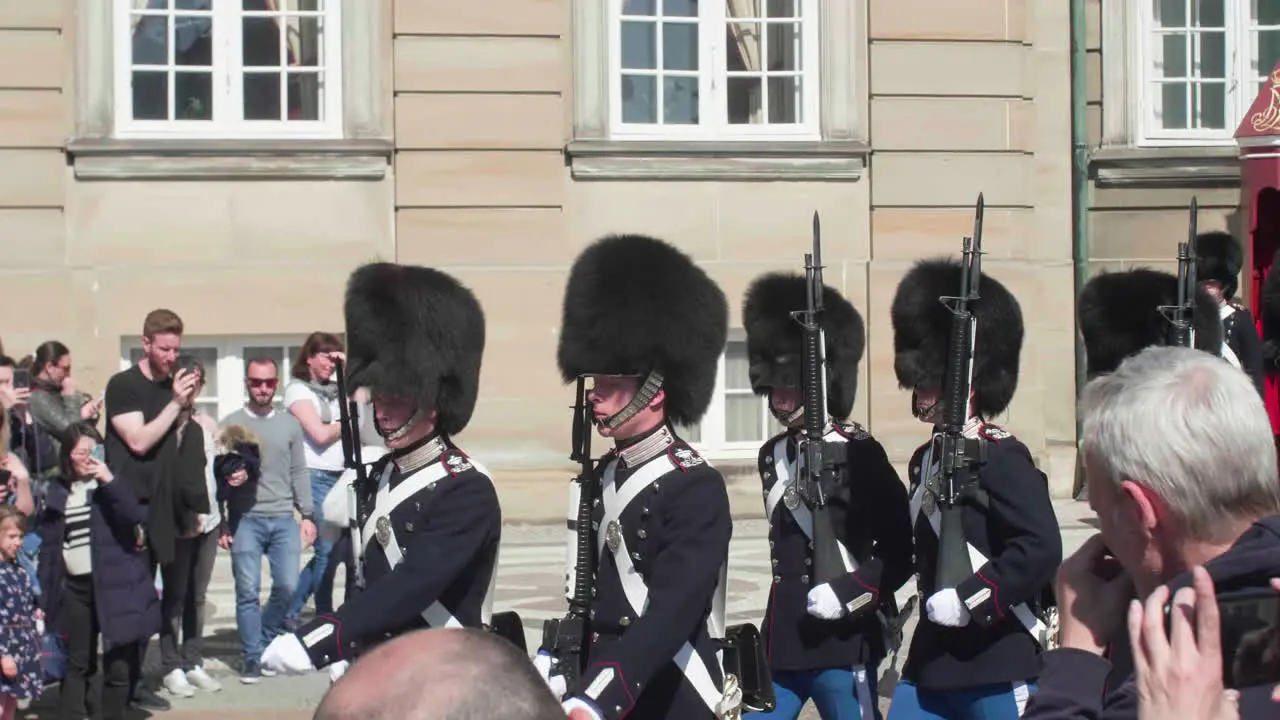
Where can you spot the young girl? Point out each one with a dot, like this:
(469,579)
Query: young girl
(20,675)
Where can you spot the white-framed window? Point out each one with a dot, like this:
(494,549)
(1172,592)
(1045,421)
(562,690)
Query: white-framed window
(246,69)
(1201,63)
(714,70)
(225,359)
(737,422)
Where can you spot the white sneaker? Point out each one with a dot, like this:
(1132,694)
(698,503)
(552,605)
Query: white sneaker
(176,683)
(201,679)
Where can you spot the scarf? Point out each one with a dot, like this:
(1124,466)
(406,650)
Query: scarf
(327,393)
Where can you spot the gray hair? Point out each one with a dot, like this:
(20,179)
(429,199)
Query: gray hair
(1190,427)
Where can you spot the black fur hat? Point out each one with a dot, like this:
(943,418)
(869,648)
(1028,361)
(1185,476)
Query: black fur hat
(635,304)
(1219,257)
(416,332)
(1119,316)
(774,340)
(922,329)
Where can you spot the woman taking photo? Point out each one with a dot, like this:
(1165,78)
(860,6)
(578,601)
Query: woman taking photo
(96,576)
(312,398)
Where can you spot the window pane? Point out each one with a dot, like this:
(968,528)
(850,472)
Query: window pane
(742,8)
(639,7)
(639,99)
(273,353)
(193,40)
(305,93)
(261,96)
(680,8)
(1173,60)
(687,433)
(1268,51)
(783,8)
(680,100)
(745,48)
(639,45)
(1212,105)
(150,96)
(193,96)
(150,40)
(784,100)
(784,47)
(742,422)
(1171,13)
(1267,12)
(679,46)
(261,40)
(744,97)
(1172,112)
(1208,13)
(306,41)
(737,368)
(1212,55)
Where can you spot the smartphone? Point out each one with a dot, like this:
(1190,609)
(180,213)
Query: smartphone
(1250,637)
(21,378)
(98,454)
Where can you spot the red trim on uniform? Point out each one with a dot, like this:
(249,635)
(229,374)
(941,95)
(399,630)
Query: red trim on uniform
(621,678)
(995,594)
(337,632)
(870,589)
(444,459)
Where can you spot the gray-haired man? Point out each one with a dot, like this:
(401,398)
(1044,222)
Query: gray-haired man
(1182,471)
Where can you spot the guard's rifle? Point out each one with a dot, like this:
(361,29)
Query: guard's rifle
(1182,315)
(566,638)
(959,456)
(349,419)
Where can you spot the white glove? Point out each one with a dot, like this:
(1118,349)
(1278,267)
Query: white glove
(824,604)
(286,655)
(337,670)
(583,706)
(945,608)
(556,683)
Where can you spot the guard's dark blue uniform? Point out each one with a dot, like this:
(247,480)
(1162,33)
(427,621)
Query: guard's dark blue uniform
(834,660)
(987,668)
(431,564)
(666,512)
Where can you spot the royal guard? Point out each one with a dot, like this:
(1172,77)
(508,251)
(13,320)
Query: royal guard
(974,652)
(428,516)
(824,639)
(643,330)
(1219,260)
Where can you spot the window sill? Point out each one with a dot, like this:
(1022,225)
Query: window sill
(101,159)
(746,160)
(1163,167)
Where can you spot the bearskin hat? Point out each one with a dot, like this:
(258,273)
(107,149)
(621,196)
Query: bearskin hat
(775,339)
(1120,315)
(922,330)
(1219,257)
(634,304)
(415,332)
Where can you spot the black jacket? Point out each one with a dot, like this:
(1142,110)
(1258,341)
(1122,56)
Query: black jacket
(869,512)
(1078,684)
(1018,534)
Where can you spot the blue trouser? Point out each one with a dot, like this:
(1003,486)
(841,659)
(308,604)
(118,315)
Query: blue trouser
(313,578)
(27,558)
(280,540)
(839,694)
(1005,701)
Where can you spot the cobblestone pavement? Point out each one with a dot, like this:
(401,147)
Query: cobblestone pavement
(529,582)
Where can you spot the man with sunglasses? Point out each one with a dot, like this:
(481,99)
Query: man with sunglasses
(268,527)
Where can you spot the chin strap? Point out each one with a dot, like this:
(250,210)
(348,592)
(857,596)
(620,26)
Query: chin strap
(925,412)
(402,430)
(652,384)
(788,419)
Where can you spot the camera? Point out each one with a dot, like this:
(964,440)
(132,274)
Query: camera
(21,378)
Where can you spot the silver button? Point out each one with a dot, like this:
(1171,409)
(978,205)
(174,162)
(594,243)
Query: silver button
(768,458)
(655,486)
(635,556)
(775,562)
(777,579)
(641,533)
(625,621)
(804,578)
(808,562)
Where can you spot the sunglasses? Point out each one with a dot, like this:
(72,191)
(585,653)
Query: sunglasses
(260,382)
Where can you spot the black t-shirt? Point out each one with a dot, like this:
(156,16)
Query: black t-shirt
(131,391)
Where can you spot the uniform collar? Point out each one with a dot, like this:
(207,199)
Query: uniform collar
(971,427)
(647,447)
(419,455)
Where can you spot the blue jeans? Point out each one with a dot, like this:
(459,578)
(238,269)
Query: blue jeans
(1006,701)
(27,557)
(837,693)
(280,540)
(313,578)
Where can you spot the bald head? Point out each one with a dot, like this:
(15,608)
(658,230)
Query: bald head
(464,674)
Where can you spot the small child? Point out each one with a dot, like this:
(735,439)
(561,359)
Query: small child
(20,674)
(237,467)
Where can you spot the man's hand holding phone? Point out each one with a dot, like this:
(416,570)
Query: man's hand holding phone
(184,387)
